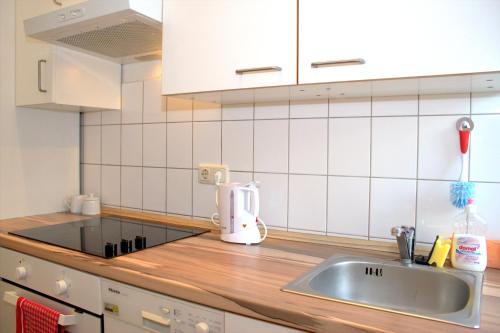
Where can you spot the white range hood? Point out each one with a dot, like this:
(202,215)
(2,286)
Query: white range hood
(120,30)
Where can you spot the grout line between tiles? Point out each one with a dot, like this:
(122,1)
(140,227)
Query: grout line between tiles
(192,157)
(471,140)
(166,157)
(327,165)
(370,172)
(142,147)
(418,165)
(303,118)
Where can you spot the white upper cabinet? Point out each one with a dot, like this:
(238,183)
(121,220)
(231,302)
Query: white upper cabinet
(55,78)
(213,45)
(346,40)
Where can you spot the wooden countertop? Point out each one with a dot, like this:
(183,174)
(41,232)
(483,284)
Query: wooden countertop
(243,279)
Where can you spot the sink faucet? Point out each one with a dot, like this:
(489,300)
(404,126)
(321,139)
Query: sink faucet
(406,242)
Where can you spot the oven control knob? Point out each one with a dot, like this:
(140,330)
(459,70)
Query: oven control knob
(61,287)
(202,328)
(21,273)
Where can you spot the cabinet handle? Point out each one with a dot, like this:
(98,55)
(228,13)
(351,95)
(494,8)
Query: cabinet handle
(155,318)
(59,3)
(40,75)
(342,62)
(258,69)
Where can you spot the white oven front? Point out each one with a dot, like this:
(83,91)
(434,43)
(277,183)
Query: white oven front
(85,322)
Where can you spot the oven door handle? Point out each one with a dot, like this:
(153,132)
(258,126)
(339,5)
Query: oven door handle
(11,297)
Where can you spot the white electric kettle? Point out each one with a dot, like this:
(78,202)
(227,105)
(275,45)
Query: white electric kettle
(238,211)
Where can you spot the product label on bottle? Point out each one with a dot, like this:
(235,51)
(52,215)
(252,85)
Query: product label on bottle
(468,250)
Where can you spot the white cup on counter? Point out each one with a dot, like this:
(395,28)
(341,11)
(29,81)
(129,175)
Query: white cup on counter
(91,205)
(84,204)
(75,203)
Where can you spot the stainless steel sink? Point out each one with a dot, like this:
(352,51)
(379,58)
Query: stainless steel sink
(441,294)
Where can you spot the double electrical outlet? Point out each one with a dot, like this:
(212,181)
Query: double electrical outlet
(213,174)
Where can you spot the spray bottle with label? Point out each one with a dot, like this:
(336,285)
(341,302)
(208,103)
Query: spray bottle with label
(468,249)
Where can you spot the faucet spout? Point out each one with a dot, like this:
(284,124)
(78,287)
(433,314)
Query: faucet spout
(405,237)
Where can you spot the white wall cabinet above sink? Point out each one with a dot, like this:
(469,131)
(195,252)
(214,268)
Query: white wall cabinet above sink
(362,39)
(206,42)
(213,45)
(56,78)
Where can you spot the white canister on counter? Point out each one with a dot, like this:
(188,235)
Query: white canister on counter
(75,203)
(91,205)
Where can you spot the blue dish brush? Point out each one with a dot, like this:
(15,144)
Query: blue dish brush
(462,191)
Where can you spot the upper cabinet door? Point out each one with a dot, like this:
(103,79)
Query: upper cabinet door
(344,40)
(52,77)
(213,45)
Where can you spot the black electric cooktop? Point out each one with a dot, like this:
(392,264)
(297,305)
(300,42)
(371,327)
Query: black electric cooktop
(108,237)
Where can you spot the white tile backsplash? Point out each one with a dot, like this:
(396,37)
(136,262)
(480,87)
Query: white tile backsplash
(370,148)
(349,146)
(271,146)
(111,139)
(91,175)
(154,196)
(487,202)
(206,143)
(179,110)
(348,205)
(91,118)
(154,102)
(485,151)
(91,144)
(204,111)
(131,187)
(444,104)
(110,185)
(394,147)
(352,107)
(439,154)
(392,204)
(484,103)
(203,198)
(237,145)
(132,100)
(273,190)
(274,110)
(111,117)
(241,177)
(395,106)
(309,109)
(132,145)
(154,145)
(237,112)
(308,146)
(180,145)
(307,205)
(179,191)
(435,212)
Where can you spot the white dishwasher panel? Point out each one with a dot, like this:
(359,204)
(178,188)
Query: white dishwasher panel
(130,309)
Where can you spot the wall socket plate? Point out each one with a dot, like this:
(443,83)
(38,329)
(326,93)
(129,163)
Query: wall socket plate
(208,173)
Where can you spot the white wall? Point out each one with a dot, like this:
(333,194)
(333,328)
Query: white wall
(353,167)
(39,150)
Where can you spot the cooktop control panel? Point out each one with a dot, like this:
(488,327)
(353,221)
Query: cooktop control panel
(146,310)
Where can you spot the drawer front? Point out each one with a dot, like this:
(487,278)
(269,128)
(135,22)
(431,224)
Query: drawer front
(63,283)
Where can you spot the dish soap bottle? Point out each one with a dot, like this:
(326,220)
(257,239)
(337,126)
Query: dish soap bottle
(468,250)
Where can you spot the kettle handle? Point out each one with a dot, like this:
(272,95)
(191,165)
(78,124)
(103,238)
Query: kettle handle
(254,192)
(265,229)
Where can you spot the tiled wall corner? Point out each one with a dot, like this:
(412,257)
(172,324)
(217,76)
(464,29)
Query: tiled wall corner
(349,167)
